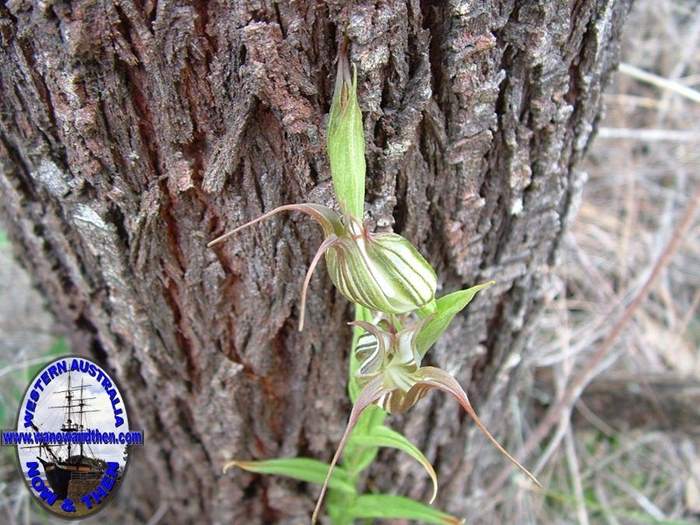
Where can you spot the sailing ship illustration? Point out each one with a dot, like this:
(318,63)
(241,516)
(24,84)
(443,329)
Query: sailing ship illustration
(68,473)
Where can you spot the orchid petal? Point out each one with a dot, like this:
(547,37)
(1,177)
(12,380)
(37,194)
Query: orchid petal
(436,378)
(398,401)
(370,351)
(367,396)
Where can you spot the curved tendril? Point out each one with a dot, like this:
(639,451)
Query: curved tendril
(327,243)
(316,211)
(367,396)
(440,379)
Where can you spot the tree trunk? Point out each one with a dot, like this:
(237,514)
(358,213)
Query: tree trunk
(135,131)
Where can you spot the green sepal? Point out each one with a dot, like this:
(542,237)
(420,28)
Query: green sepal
(447,307)
(346,140)
(302,469)
(388,506)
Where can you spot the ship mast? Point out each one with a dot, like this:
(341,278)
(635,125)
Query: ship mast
(82,406)
(68,425)
(71,425)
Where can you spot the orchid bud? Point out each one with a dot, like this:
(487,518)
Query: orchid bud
(346,140)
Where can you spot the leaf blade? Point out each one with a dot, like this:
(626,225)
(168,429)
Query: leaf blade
(302,469)
(447,307)
(382,436)
(370,506)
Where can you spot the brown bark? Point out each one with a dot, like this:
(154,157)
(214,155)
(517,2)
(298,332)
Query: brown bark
(133,132)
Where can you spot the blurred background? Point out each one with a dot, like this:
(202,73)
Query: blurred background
(630,452)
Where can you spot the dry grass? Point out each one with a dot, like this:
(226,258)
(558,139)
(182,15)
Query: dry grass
(25,340)
(608,463)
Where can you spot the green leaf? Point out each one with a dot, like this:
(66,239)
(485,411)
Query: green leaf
(447,307)
(382,436)
(346,140)
(302,469)
(4,241)
(386,506)
(359,456)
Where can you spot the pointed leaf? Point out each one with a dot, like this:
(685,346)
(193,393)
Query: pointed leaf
(381,436)
(447,307)
(302,469)
(370,506)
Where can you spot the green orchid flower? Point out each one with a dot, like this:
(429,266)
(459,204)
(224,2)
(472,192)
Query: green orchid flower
(386,277)
(380,271)
(392,377)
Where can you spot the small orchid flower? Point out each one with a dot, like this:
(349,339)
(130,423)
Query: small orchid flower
(392,377)
(384,275)
(380,271)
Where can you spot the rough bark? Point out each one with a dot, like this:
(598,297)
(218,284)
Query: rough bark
(134,131)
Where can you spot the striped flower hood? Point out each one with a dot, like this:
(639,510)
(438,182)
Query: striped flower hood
(380,271)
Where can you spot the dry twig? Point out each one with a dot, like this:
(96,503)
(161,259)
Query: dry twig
(566,401)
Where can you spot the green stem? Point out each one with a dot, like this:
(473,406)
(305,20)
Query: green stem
(355,458)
